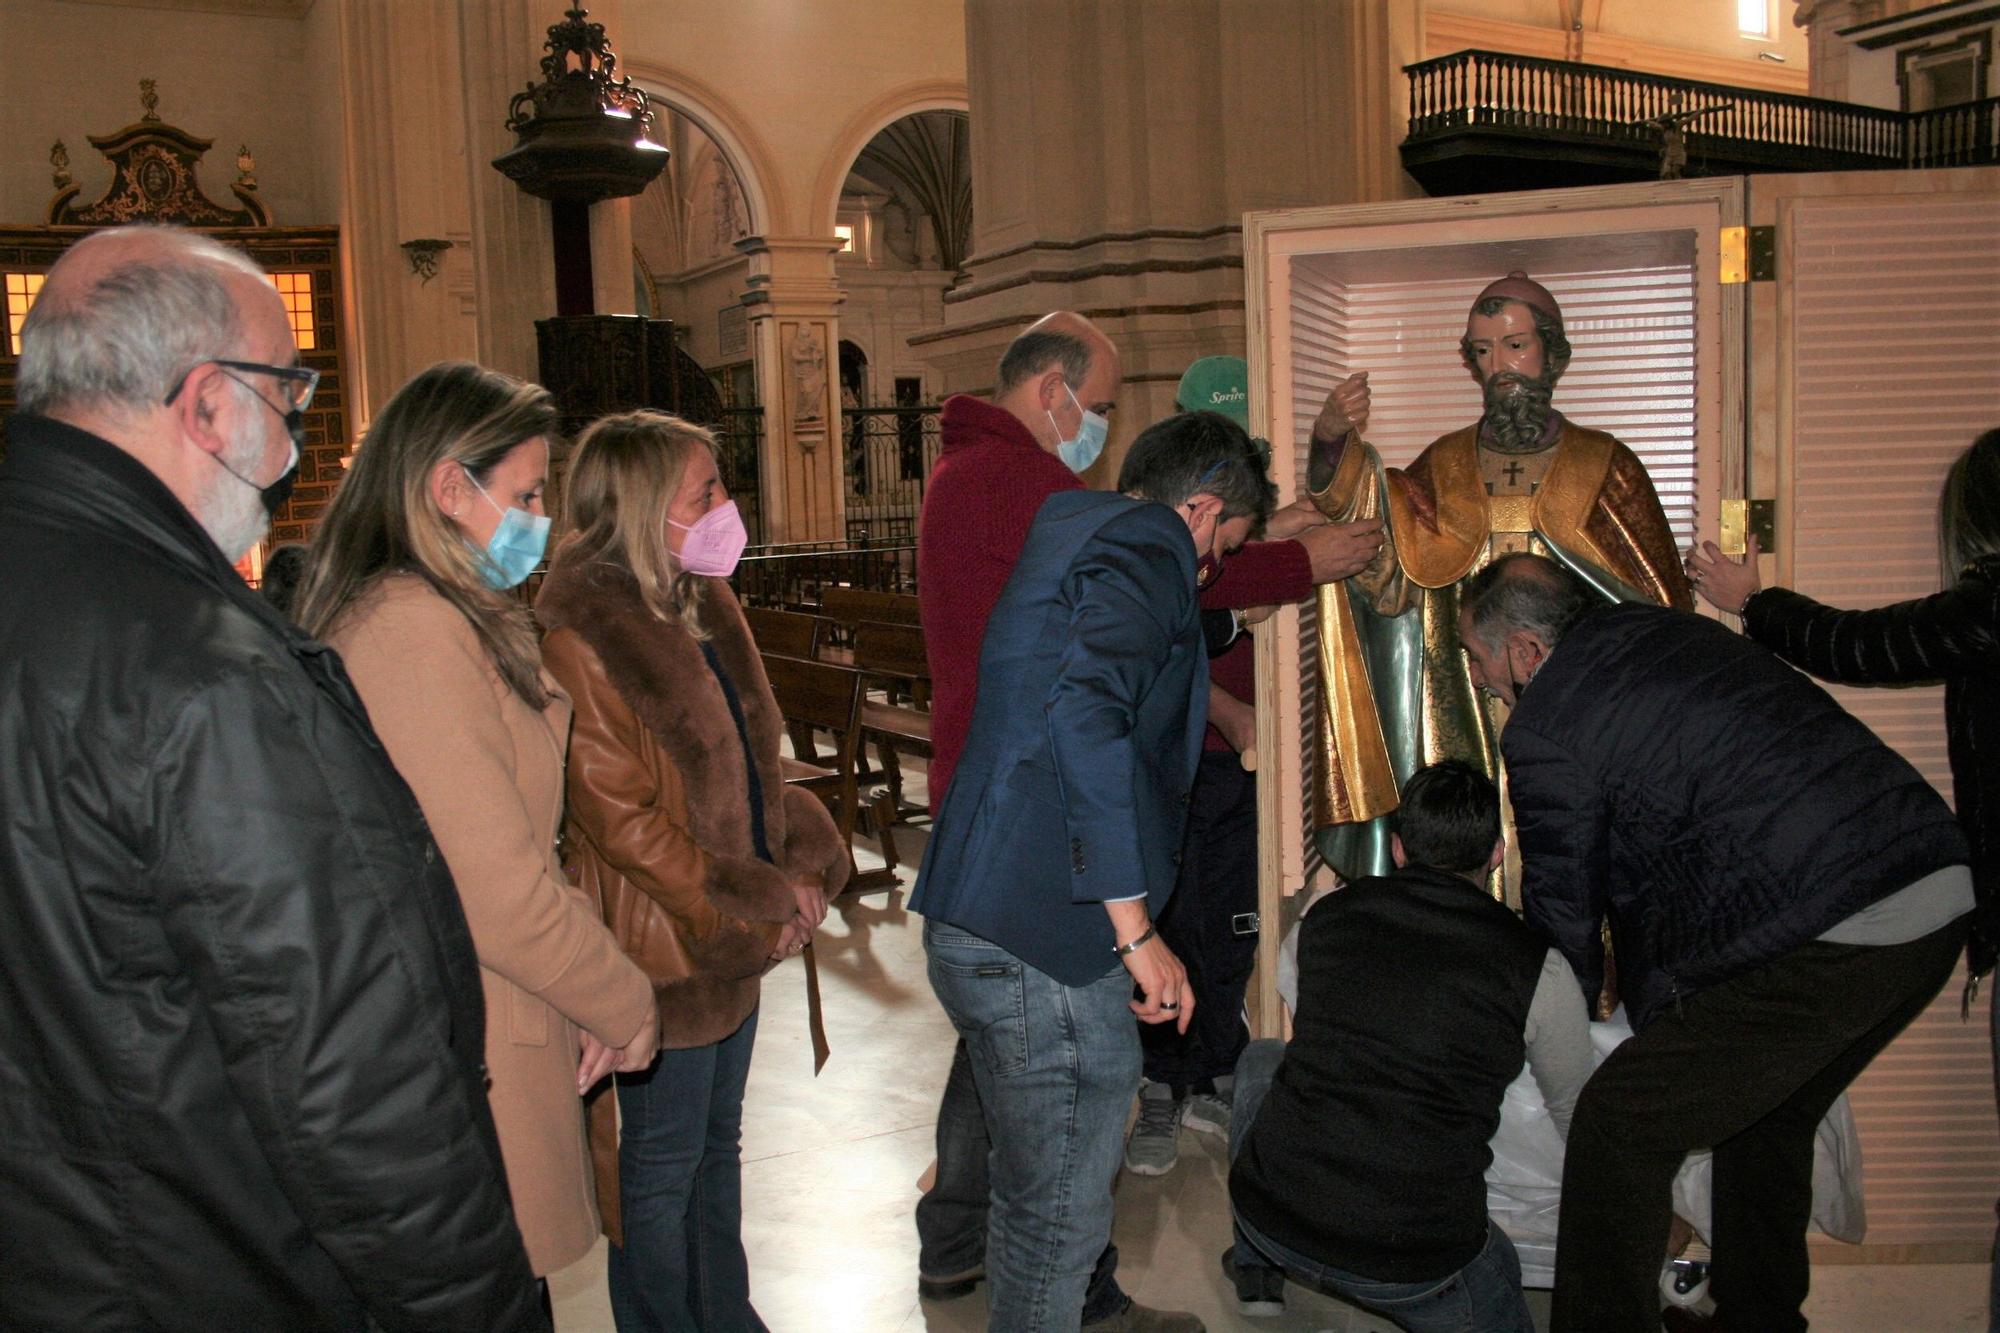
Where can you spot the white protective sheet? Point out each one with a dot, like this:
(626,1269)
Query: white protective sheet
(1524,1183)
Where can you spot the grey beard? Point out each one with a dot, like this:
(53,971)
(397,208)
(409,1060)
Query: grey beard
(231,510)
(1516,420)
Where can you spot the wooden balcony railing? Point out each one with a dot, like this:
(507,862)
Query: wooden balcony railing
(1593,107)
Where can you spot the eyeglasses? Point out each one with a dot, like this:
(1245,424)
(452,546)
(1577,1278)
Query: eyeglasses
(298,381)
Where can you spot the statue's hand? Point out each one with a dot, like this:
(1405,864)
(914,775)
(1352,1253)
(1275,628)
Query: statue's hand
(1346,409)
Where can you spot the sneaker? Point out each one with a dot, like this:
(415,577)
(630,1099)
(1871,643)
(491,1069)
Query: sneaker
(950,1286)
(1137,1318)
(1209,1111)
(1154,1144)
(1260,1291)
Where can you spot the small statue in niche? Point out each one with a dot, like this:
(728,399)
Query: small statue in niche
(808,375)
(246,168)
(59,161)
(727,228)
(149,100)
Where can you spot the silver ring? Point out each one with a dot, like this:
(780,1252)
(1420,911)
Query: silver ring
(1170,1004)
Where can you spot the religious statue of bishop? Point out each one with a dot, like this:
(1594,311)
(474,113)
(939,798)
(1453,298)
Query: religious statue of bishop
(1395,693)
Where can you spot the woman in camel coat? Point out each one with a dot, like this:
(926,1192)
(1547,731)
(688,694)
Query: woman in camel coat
(710,869)
(408,579)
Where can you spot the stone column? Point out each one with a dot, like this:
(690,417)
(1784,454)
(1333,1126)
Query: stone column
(513,262)
(1116,147)
(402,179)
(793,302)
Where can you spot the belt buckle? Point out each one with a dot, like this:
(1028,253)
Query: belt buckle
(1245,923)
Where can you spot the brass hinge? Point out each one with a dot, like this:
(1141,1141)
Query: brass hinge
(1735,266)
(1749,254)
(1743,517)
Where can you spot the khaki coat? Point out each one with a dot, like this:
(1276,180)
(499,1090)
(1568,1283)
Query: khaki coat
(488,771)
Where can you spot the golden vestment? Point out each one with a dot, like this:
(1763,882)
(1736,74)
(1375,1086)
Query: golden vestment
(1395,692)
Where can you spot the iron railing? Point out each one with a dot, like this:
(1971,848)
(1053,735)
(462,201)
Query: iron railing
(1488,90)
(889,453)
(740,445)
(792,577)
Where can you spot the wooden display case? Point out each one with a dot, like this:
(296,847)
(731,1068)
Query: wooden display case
(1825,342)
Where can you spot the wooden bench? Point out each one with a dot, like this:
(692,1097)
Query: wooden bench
(893,657)
(848,607)
(786,633)
(821,695)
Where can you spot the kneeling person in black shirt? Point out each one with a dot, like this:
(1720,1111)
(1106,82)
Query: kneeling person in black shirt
(1360,1148)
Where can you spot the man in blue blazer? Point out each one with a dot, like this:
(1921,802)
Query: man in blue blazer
(1057,841)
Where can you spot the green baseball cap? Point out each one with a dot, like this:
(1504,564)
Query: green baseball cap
(1217,384)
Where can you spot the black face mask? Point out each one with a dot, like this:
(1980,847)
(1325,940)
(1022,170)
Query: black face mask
(280,490)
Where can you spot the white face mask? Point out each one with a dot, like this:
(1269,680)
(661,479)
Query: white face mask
(1082,449)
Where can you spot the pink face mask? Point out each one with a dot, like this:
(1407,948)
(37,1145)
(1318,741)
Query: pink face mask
(714,542)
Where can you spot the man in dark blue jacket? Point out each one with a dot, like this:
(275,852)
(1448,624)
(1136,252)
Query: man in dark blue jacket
(1785,893)
(1055,846)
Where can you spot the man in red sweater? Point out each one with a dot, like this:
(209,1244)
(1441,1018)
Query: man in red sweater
(1056,388)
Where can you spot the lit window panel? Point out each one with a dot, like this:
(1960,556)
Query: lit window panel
(21,291)
(1753,17)
(295,289)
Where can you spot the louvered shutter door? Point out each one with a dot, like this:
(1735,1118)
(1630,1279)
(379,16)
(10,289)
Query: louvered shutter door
(1891,352)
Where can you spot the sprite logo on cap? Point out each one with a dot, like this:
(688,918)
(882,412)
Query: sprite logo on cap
(1217,384)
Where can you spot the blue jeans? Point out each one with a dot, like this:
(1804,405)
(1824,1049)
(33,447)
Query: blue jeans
(680,1187)
(1056,1068)
(1482,1297)
(951,1216)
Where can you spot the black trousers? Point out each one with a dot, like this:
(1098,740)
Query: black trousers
(1217,886)
(1748,1068)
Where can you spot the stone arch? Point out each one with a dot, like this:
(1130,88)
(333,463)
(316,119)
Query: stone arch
(871,120)
(763,188)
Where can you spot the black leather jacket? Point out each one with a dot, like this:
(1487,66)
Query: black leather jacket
(1953,636)
(240,1013)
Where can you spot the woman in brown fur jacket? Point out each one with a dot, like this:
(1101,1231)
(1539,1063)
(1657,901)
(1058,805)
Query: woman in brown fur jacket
(710,869)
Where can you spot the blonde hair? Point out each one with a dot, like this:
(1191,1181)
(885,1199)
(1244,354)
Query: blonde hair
(622,481)
(383,521)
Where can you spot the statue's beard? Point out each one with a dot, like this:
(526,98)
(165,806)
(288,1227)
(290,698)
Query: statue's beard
(1517,411)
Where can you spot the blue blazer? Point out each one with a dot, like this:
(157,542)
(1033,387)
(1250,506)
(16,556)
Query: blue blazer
(1073,786)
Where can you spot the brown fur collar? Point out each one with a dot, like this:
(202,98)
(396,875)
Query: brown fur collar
(657,667)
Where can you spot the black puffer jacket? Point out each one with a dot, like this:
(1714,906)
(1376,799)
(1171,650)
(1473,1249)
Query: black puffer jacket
(1953,637)
(1719,806)
(240,1015)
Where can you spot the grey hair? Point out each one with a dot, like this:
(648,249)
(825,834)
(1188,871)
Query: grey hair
(1520,591)
(138,328)
(1037,350)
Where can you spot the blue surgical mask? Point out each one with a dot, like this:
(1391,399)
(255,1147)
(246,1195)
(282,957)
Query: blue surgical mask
(515,547)
(1080,452)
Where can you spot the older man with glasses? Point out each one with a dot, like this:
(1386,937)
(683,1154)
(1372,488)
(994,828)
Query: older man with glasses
(241,1024)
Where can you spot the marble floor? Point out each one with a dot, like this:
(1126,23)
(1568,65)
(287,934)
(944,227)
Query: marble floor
(831,1171)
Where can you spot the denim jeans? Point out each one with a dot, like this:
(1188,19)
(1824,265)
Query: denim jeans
(680,1187)
(951,1216)
(1482,1297)
(1056,1068)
